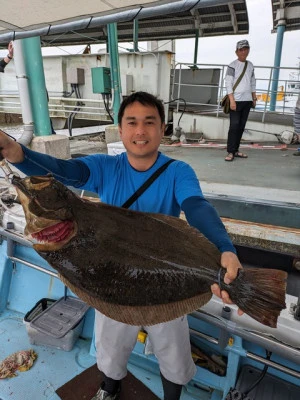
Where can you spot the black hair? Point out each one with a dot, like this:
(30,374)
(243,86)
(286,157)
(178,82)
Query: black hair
(146,99)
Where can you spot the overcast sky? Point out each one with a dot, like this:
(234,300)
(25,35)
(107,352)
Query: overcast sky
(262,41)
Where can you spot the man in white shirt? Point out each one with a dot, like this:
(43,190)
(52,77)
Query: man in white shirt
(242,98)
(8,58)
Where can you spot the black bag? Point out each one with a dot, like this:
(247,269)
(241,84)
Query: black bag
(225,104)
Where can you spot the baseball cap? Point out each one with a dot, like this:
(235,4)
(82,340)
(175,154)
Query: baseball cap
(241,44)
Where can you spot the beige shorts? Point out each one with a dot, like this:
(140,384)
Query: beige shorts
(170,342)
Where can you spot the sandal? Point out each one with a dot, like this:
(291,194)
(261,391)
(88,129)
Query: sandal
(240,155)
(229,157)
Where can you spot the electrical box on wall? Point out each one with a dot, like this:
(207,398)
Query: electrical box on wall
(101,80)
(75,76)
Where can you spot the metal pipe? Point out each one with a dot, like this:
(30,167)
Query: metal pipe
(124,16)
(179,88)
(220,90)
(277,347)
(135,35)
(273,364)
(37,267)
(204,336)
(22,81)
(196,48)
(266,102)
(250,355)
(12,237)
(15,237)
(114,69)
(278,51)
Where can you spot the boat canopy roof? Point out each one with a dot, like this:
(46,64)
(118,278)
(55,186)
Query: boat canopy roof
(286,12)
(70,23)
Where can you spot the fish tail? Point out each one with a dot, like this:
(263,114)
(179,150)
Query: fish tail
(260,293)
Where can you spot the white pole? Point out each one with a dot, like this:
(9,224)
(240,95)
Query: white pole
(22,81)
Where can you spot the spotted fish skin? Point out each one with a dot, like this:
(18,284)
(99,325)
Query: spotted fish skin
(126,262)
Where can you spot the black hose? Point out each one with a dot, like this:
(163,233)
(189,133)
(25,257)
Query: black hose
(262,375)
(69,94)
(172,101)
(75,89)
(105,97)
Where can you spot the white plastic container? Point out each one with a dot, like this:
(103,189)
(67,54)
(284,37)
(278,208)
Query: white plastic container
(65,343)
(115,148)
(16,216)
(48,321)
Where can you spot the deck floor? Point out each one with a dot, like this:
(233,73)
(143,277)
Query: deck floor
(269,166)
(270,387)
(52,368)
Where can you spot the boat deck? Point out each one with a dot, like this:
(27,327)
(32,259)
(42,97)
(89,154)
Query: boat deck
(52,368)
(270,174)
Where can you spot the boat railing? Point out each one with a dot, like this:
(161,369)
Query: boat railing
(281,101)
(286,94)
(59,106)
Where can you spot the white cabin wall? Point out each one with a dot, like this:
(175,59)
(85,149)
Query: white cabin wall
(214,128)
(147,70)
(9,86)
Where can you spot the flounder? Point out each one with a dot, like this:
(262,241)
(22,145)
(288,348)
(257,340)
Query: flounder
(135,267)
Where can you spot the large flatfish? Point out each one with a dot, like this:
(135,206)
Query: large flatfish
(135,267)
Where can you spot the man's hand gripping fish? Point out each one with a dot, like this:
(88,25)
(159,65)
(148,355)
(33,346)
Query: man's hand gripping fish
(135,267)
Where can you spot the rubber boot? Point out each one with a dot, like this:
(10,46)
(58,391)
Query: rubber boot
(172,391)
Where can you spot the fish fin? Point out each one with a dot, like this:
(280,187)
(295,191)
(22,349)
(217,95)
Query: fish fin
(260,293)
(177,223)
(141,315)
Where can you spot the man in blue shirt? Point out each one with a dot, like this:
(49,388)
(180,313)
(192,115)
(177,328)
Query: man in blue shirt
(115,178)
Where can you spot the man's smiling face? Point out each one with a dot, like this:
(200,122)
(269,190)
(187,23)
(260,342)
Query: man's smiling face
(141,131)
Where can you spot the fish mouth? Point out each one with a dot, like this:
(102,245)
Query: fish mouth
(49,220)
(30,184)
(55,236)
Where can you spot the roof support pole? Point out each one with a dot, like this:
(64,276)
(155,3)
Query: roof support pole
(37,86)
(22,81)
(135,35)
(114,68)
(277,59)
(196,48)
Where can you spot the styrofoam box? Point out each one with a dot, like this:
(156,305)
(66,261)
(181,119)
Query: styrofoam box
(115,148)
